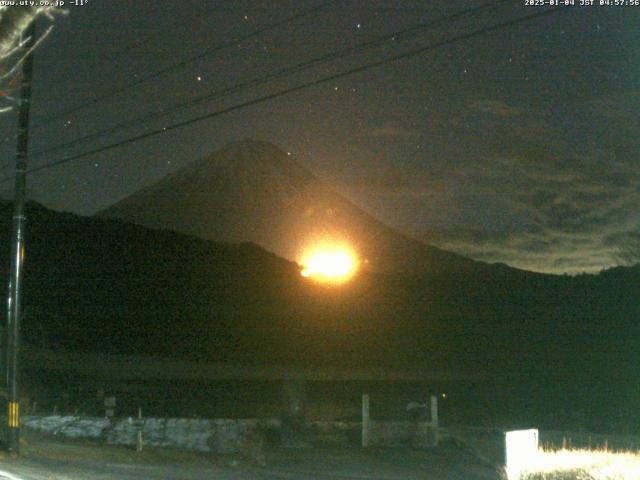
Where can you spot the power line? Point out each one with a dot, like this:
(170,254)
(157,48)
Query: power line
(274,75)
(106,56)
(296,88)
(145,39)
(181,64)
(362,68)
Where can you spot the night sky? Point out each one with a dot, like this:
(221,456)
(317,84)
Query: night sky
(519,145)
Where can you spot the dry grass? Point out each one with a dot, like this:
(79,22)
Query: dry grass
(584,465)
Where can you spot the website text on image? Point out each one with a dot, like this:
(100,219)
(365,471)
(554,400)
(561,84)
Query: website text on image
(35,3)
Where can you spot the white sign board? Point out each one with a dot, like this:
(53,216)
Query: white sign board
(521,450)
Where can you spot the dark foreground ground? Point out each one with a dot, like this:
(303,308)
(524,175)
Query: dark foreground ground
(46,458)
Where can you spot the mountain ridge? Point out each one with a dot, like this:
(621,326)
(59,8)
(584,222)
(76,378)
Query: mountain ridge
(253,191)
(106,286)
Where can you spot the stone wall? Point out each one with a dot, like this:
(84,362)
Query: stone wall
(222,435)
(203,435)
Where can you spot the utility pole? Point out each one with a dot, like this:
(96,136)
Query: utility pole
(17,248)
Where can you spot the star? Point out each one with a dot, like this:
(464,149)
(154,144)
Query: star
(428,90)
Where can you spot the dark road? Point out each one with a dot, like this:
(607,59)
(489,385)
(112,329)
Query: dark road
(45,458)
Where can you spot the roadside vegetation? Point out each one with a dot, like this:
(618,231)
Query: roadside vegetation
(584,464)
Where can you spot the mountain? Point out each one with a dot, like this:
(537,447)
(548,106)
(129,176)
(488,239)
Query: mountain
(253,191)
(104,285)
(560,343)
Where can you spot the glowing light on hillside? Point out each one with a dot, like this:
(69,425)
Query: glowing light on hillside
(329,263)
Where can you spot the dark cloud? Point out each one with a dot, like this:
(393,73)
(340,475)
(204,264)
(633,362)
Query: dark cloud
(502,148)
(390,131)
(577,218)
(545,251)
(495,107)
(626,246)
(410,181)
(538,203)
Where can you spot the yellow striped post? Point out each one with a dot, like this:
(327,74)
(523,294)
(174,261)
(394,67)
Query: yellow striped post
(14,415)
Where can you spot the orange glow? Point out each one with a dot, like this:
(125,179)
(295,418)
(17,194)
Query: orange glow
(329,263)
